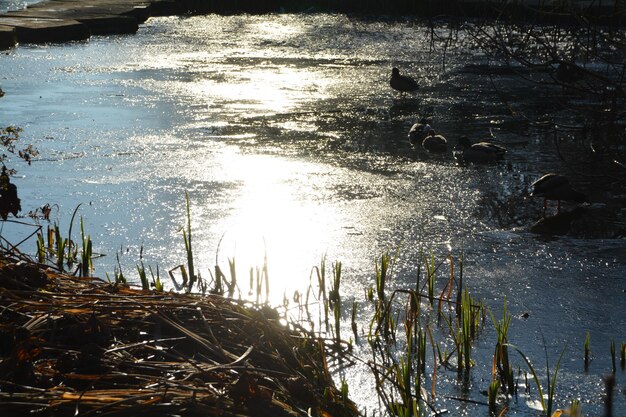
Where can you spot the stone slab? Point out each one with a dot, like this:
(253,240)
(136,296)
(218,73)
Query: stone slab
(139,9)
(37,30)
(98,24)
(68,20)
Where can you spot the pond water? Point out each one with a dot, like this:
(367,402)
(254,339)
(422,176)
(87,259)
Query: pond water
(11,5)
(288,140)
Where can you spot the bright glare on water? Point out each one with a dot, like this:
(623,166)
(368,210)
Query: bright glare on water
(288,140)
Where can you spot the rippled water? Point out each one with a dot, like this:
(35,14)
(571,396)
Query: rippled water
(291,145)
(11,5)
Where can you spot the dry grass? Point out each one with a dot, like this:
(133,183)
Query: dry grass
(80,346)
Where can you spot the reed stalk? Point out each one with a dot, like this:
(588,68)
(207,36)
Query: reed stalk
(320,272)
(86,262)
(344,391)
(258,284)
(41,249)
(266,274)
(156,281)
(189,247)
(467,330)
(143,276)
(353,323)
(50,236)
(321,277)
(501,364)
(421,349)
(334,295)
(118,274)
(72,250)
(460,289)
(613,367)
(455,334)
(63,251)
(381,275)
(60,248)
(335,300)
(587,351)
(232,267)
(551,378)
(430,277)
(492,395)
(575,409)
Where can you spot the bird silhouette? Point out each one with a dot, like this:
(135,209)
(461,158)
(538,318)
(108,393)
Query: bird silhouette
(568,73)
(481,152)
(435,143)
(402,83)
(419,131)
(557,187)
(9,202)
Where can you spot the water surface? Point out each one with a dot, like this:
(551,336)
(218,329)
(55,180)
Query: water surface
(285,134)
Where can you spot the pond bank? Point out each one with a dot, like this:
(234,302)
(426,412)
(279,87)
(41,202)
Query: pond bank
(68,20)
(71,20)
(70,343)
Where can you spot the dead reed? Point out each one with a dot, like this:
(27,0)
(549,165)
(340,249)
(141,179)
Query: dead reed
(81,346)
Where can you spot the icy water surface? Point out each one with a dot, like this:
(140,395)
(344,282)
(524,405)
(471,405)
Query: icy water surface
(291,145)
(12,5)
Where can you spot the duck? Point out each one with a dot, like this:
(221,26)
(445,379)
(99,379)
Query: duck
(435,143)
(402,83)
(557,187)
(568,73)
(481,152)
(419,131)
(593,221)
(9,202)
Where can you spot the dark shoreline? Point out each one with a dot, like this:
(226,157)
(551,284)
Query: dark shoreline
(77,20)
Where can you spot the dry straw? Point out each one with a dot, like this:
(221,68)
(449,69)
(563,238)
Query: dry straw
(80,346)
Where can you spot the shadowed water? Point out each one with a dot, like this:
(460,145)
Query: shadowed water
(291,145)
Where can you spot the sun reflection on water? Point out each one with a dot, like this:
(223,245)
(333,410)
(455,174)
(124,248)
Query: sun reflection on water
(259,88)
(275,216)
(196,104)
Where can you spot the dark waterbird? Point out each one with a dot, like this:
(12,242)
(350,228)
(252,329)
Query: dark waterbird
(556,187)
(9,202)
(419,131)
(402,83)
(481,152)
(592,221)
(435,143)
(568,73)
